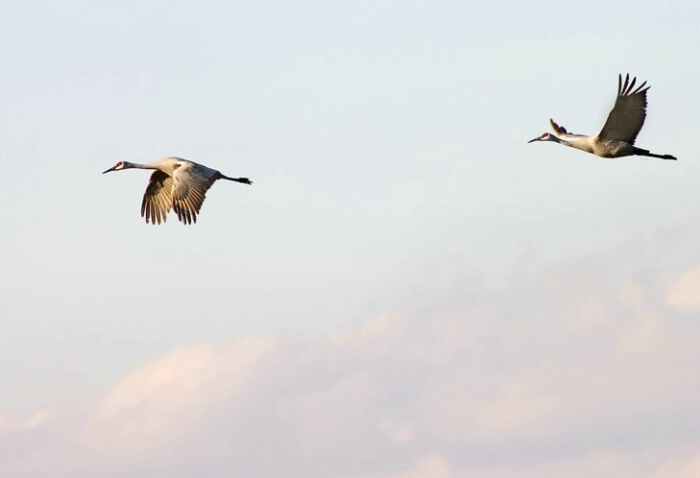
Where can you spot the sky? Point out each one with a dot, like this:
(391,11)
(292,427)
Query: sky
(407,290)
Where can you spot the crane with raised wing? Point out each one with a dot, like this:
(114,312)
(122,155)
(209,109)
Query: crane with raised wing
(620,131)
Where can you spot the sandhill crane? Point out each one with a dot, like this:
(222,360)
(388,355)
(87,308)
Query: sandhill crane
(617,137)
(176,183)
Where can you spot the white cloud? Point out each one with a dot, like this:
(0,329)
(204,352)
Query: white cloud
(161,400)
(580,371)
(382,326)
(14,422)
(647,464)
(399,433)
(433,466)
(685,292)
(683,466)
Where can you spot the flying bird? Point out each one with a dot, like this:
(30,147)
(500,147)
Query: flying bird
(620,131)
(178,184)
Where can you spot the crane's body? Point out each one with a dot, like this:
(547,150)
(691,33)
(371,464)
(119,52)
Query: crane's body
(176,184)
(620,131)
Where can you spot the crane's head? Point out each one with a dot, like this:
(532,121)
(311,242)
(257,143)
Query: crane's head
(118,166)
(543,137)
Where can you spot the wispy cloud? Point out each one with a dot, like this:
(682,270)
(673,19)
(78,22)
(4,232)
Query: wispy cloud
(685,291)
(576,369)
(162,400)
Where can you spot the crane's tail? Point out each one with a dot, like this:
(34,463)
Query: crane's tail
(645,152)
(661,156)
(238,180)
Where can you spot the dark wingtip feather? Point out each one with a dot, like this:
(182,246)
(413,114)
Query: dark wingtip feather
(619,84)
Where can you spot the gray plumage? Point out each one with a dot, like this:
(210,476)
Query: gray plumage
(178,184)
(620,131)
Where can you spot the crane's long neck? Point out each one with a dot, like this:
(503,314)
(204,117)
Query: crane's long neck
(559,140)
(582,144)
(128,165)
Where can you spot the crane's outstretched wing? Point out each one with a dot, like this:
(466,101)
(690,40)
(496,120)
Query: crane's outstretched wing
(190,184)
(561,132)
(627,116)
(157,199)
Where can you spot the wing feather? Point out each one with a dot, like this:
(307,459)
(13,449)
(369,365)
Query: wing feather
(190,184)
(627,116)
(157,199)
(561,132)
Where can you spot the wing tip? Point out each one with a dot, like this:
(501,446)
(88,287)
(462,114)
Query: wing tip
(557,128)
(627,88)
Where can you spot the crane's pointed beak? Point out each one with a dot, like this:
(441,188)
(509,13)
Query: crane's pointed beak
(534,139)
(110,169)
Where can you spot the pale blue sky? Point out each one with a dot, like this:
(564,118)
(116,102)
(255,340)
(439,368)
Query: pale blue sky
(387,145)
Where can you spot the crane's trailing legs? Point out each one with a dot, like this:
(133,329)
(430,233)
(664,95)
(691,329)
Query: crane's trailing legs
(644,152)
(238,180)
